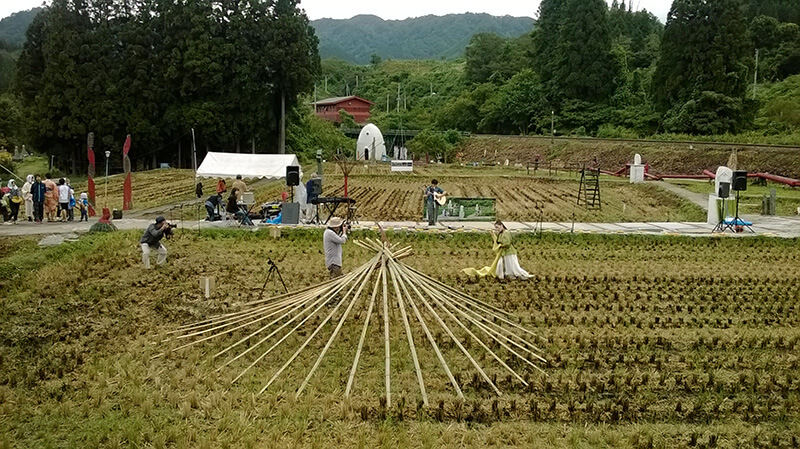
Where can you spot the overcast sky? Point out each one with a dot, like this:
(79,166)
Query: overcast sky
(392,10)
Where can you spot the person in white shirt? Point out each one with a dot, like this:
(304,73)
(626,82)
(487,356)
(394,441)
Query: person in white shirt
(332,241)
(63,199)
(28,197)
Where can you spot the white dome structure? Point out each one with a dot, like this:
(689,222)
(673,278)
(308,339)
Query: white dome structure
(370,144)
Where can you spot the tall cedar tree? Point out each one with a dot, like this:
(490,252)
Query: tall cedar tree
(702,74)
(157,68)
(573,50)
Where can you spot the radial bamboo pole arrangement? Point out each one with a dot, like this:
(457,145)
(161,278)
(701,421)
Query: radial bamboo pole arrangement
(382,286)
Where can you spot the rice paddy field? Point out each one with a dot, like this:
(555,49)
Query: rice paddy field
(649,341)
(521,195)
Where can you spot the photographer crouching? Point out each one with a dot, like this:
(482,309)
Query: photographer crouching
(332,241)
(152,239)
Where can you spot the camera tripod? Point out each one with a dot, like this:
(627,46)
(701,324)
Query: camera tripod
(273,270)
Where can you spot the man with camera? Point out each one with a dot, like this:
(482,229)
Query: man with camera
(332,241)
(152,239)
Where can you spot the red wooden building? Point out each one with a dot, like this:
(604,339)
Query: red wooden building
(329,109)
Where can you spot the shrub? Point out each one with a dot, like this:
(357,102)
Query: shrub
(7,161)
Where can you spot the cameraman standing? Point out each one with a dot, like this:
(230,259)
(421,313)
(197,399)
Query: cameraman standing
(332,241)
(152,239)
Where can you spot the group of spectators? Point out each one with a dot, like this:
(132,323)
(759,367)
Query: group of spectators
(46,199)
(215,203)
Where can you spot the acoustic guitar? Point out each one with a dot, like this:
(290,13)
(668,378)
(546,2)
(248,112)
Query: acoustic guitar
(439,198)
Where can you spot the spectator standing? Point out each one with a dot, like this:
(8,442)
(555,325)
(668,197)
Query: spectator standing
(239,185)
(51,198)
(72,204)
(38,196)
(332,240)
(14,200)
(28,197)
(63,199)
(83,205)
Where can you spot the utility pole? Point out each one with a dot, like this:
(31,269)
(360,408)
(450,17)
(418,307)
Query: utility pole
(194,153)
(552,127)
(755,77)
(387,103)
(398,98)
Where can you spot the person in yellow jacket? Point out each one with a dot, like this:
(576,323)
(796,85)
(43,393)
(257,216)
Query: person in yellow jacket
(505,262)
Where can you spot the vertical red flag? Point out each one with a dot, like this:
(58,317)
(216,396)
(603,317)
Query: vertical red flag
(90,154)
(127,193)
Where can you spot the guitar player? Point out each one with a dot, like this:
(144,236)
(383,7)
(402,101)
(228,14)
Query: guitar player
(434,197)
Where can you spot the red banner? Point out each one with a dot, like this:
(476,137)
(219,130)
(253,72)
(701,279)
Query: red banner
(127,202)
(92,213)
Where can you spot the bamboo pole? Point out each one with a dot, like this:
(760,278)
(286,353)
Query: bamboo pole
(436,296)
(267,311)
(336,331)
(363,337)
(316,331)
(386,345)
(253,334)
(432,341)
(210,337)
(496,331)
(402,307)
(478,304)
(321,303)
(281,296)
(446,328)
(509,349)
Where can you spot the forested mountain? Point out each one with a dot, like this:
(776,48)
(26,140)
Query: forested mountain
(355,40)
(13,27)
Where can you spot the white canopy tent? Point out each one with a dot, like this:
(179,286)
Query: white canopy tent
(229,165)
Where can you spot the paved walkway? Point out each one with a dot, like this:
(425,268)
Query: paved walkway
(700,199)
(785,227)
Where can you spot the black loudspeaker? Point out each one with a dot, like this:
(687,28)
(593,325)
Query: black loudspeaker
(292,175)
(724,190)
(739,180)
(290,213)
(316,187)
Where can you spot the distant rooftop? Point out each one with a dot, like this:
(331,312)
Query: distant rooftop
(337,100)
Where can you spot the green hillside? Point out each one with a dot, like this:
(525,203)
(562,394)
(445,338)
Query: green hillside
(430,37)
(14,27)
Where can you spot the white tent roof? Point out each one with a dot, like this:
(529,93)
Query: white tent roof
(228,165)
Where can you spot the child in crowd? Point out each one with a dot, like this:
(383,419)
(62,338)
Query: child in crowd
(84,206)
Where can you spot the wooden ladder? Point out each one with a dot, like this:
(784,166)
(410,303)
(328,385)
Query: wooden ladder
(589,191)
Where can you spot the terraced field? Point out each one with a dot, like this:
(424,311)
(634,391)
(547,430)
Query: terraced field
(649,341)
(519,197)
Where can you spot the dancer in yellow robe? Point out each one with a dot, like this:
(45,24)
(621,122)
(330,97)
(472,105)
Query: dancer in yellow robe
(505,263)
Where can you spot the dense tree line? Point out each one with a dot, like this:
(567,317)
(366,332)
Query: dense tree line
(158,68)
(588,68)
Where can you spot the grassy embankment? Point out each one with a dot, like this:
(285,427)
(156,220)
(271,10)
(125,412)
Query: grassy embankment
(664,158)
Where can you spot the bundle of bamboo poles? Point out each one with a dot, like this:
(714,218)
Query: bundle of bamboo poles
(383,283)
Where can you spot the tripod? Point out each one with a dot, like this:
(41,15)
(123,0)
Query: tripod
(722,226)
(273,270)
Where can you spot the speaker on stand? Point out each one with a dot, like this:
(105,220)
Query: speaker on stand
(292,177)
(739,185)
(723,193)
